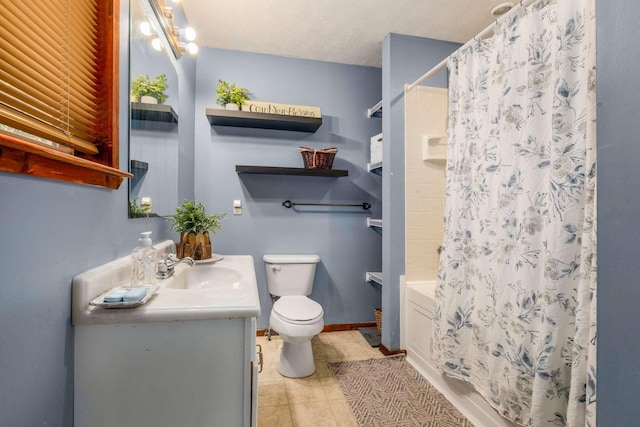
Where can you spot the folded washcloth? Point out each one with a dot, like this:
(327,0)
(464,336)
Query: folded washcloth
(115,295)
(134,294)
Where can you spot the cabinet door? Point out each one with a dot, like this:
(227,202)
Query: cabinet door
(195,369)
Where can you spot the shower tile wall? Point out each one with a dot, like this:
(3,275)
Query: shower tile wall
(425,113)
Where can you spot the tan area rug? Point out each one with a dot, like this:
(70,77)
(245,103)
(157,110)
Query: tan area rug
(390,392)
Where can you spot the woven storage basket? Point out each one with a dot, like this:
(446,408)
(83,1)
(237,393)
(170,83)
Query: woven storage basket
(377,312)
(318,159)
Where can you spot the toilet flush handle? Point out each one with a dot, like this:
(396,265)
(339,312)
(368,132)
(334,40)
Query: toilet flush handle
(275,267)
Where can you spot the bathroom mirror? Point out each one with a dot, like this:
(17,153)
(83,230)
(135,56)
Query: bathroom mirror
(153,130)
(165,17)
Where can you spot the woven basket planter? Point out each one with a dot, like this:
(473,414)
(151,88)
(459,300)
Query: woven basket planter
(377,312)
(196,246)
(318,159)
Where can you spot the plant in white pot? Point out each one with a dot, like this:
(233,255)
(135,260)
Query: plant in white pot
(195,226)
(144,89)
(231,96)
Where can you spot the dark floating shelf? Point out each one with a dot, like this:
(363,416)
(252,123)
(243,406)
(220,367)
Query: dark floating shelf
(138,164)
(271,170)
(153,112)
(219,117)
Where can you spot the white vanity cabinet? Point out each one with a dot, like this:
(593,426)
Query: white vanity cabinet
(184,373)
(186,358)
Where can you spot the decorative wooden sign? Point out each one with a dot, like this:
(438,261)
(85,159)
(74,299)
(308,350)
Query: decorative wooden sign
(282,109)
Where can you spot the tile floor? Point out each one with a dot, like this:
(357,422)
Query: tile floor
(315,400)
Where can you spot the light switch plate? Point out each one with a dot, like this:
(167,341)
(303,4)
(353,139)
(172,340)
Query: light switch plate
(237,207)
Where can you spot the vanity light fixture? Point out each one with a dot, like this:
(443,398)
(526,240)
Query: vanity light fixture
(148,33)
(190,47)
(180,39)
(145,28)
(186,37)
(189,33)
(156,43)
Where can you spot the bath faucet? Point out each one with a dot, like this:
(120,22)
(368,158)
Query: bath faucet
(168,263)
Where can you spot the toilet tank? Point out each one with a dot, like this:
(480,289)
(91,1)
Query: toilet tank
(290,274)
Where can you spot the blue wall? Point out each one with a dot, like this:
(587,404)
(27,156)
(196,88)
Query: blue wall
(404,60)
(347,248)
(51,231)
(618,87)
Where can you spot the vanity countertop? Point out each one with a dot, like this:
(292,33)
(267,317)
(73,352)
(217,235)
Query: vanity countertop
(238,299)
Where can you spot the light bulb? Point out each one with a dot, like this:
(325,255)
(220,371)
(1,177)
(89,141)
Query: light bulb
(192,48)
(156,44)
(189,34)
(145,28)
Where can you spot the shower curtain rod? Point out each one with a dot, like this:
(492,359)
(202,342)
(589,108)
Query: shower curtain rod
(478,36)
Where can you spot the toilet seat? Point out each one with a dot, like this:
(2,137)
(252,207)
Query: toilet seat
(297,309)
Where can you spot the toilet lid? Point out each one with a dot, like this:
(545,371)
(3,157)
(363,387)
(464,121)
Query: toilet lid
(297,308)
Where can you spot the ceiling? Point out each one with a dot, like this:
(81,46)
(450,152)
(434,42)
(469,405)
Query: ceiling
(343,31)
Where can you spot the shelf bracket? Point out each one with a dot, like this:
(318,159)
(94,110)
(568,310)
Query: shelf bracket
(373,277)
(375,111)
(371,222)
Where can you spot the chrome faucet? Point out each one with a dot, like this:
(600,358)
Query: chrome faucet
(168,263)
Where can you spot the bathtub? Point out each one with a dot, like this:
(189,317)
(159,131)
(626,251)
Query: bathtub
(416,314)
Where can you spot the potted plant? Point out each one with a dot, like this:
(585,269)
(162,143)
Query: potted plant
(231,96)
(143,89)
(135,210)
(194,225)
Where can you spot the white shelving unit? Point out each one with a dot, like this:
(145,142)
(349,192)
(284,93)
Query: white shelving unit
(372,222)
(375,277)
(375,111)
(375,167)
(434,147)
(375,149)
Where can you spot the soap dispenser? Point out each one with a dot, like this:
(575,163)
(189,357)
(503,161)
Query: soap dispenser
(144,262)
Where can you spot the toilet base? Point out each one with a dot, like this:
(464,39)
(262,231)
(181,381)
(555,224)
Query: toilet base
(296,359)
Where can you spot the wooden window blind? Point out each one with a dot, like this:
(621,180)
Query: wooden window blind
(59,90)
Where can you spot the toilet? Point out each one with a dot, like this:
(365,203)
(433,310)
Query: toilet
(294,316)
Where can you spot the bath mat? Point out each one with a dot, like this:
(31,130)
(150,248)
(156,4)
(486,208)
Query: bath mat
(389,392)
(371,335)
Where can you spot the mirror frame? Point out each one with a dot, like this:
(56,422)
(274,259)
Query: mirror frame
(165,17)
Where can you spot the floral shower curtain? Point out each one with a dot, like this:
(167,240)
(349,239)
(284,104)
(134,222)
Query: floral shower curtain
(515,311)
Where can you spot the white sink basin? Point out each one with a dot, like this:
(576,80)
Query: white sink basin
(222,290)
(218,277)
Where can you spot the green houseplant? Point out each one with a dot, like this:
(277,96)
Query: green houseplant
(135,210)
(229,93)
(143,85)
(194,225)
